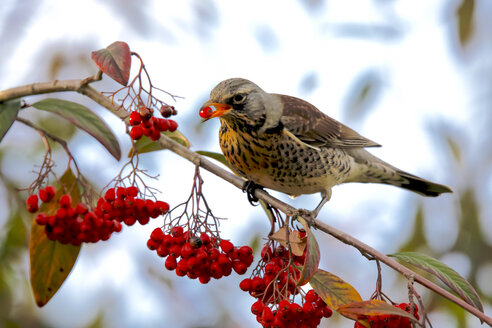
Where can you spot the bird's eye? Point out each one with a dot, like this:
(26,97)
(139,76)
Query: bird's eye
(238,98)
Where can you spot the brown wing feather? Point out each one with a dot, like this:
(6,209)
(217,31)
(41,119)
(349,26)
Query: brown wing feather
(315,128)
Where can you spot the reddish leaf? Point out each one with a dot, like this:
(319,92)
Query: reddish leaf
(311,262)
(333,290)
(115,61)
(360,310)
(51,262)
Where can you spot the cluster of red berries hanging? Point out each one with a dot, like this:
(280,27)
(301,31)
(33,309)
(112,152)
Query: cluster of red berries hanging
(291,314)
(275,277)
(273,285)
(391,321)
(71,225)
(123,205)
(144,123)
(76,225)
(202,257)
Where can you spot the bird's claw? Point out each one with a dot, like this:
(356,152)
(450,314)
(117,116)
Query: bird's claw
(305,214)
(249,188)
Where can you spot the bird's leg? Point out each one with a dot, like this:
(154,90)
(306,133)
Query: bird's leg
(249,187)
(326,197)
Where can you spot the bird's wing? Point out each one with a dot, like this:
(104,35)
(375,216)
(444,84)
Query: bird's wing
(317,129)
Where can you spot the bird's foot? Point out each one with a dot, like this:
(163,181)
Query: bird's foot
(308,215)
(249,188)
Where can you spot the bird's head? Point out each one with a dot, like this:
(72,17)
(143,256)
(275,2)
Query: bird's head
(242,102)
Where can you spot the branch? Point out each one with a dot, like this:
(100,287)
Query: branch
(82,86)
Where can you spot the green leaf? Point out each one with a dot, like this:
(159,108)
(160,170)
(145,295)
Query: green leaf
(83,118)
(333,290)
(146,145)
(115,61)
(313,256)
(465,15)
(8,114)
(358,310)
(51,261)
(448,276)
(218,157)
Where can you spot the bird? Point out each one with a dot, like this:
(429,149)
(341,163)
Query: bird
(286,144)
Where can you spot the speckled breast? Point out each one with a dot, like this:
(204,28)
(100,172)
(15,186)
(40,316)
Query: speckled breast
(279,162)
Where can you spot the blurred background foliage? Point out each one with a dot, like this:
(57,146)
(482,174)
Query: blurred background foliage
(456,229)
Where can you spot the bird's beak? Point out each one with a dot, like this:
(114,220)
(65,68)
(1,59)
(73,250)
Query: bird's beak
(210,110)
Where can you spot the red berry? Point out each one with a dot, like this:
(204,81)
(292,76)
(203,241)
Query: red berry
(206,112)
(175,251)
(267,315)
(132,191)
(162,250)
(32,203)
(204,279)
(162,124)
(172,125)
(257,284)
(239,267)
(177,231)
(65,201)
(266,253)
(170,263)
(155,135)
(257,307)
(245,285)
(47,194)
(136,132)
(157,235)
(135,118)
(41,219)
(311,296)
(151,244)
(226,246)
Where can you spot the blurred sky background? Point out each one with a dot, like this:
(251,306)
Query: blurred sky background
(414,76)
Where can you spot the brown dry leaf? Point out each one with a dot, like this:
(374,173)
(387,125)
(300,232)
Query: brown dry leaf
(297,244)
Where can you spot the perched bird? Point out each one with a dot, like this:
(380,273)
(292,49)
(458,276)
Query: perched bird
(286,144)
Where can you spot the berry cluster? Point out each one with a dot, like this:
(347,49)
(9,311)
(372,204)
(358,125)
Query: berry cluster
(199,257)
(391,321)
(279,277)
(76,224)
(290,314)
(149,125)
(71,225)
(122,205)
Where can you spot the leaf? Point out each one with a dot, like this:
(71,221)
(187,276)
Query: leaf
(51,261)
(218,157)
(358,310)
(115,61)
(448,276)
(333,290)
(297,244)
(8,114)
(84,119)
(311,262)
(465,14)
(146,145)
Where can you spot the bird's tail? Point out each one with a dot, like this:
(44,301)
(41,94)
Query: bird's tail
(420,185)
(374,170)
